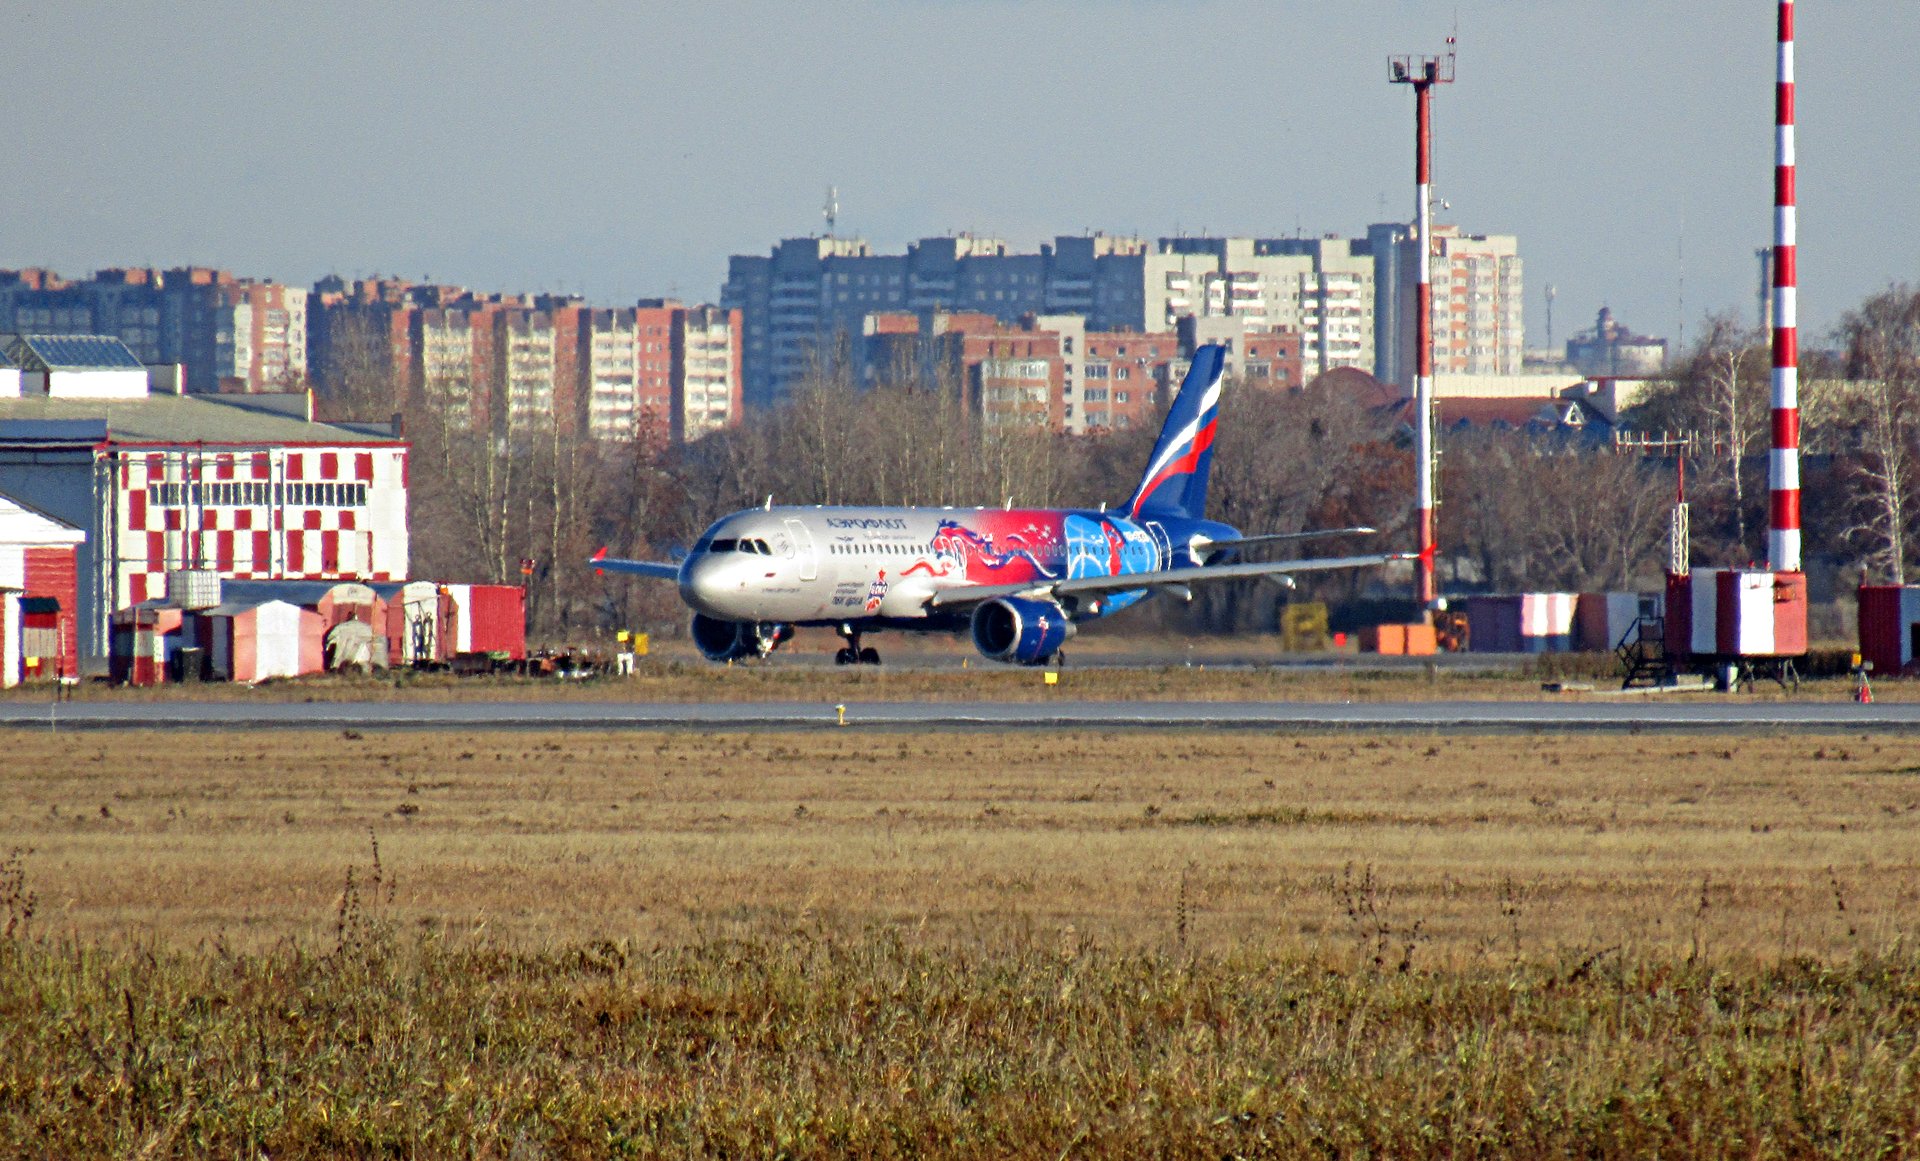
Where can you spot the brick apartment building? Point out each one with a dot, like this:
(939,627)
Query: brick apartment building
(1051,369)
(657,372)
(1349,299)
(230,334)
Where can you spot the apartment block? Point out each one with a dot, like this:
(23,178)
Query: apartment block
(1349,299)
(230,334)
(1092,379)
(652,373)
(1478,299)
(705,372)
(804,305)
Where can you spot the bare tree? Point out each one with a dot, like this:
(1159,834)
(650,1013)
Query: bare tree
(1881,338)
(1719,394)
(357,379)
(1536,512)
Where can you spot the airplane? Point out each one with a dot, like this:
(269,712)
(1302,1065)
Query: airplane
(1019,581)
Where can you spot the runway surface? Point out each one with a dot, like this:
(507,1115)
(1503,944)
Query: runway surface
(1699,712)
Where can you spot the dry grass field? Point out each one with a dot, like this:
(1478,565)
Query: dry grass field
(1492,845)
(782,680)
(890,943)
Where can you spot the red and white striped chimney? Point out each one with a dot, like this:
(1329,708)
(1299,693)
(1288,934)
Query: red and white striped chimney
(1783,466)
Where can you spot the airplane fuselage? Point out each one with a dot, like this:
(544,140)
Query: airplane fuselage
(834,566)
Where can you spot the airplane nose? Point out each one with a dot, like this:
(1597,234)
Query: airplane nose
(702,584)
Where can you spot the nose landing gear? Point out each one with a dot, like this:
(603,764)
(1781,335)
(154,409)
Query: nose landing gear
(853,654)
(770,636)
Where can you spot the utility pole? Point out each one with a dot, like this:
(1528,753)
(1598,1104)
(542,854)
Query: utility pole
(1423,72)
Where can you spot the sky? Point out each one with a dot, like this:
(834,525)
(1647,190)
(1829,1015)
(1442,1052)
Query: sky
(624,149)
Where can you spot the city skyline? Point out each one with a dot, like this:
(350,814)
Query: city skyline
(625,152)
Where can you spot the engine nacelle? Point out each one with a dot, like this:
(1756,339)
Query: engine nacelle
(720,640)
(1020,631)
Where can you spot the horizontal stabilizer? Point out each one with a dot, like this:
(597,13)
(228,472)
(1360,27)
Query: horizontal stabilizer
(1277,537)
(659,570)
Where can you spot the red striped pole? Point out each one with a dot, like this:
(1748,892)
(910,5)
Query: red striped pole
(1423,72)
(1783,464)
(1423,343)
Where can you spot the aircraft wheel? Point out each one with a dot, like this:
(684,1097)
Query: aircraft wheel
(845,657)
(869,656)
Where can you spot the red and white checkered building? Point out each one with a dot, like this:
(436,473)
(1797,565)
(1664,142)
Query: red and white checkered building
(313,511)
(247,486)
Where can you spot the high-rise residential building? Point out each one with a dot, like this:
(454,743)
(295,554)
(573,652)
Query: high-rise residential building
(1322,288)
(802,305)
(653,373)
(1092,379)
(1478,296)
(230,334)
(706,371)
(599,357)
(526,350)
(259,337)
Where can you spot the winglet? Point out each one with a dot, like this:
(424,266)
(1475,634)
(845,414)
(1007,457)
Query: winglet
(596,558)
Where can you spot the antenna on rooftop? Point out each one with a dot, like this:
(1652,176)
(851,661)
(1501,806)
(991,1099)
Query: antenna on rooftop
(831,211)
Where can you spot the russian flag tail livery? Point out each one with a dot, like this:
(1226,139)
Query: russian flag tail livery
(1175,485)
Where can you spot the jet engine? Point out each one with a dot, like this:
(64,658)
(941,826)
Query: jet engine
(1020,631)
(720,640)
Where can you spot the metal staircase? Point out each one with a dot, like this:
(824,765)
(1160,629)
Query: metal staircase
(1643,653)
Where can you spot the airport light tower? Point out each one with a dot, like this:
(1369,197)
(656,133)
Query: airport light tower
(1423,72)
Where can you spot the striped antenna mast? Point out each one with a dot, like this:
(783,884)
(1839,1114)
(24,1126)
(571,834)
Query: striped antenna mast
(1423,72)
(1783,465)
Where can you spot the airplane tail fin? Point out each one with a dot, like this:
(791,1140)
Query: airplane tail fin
(1175,483)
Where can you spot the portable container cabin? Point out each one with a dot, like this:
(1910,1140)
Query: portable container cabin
(1520,623)
(1605,621)
(490,619)
(1890,628)
(1732,613)
(251,642)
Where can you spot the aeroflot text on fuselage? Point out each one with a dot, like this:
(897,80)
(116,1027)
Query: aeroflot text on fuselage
(865,522)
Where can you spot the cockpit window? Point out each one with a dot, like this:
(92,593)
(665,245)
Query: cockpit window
(726,545)
(762,546)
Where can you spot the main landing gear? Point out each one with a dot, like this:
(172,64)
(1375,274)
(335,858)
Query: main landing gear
(853,654)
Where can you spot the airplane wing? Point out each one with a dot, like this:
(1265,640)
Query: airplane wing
(660,570)
(1093,586)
